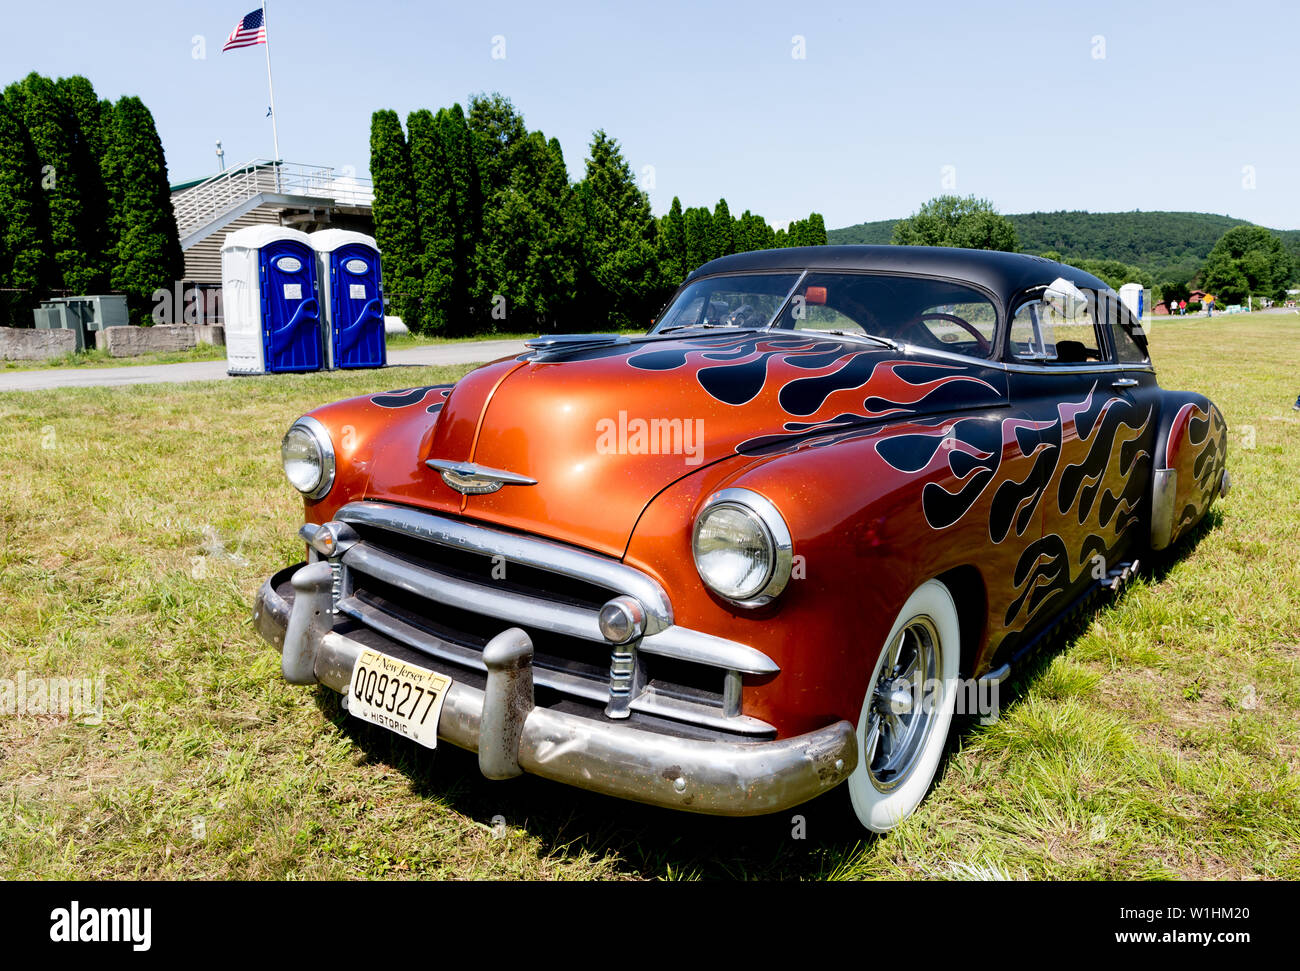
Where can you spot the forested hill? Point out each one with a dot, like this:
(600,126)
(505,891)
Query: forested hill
(1168,245)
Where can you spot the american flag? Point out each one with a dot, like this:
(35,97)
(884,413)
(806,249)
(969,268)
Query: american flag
(249,32)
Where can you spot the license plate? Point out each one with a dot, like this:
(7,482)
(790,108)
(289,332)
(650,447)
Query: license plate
(398,696)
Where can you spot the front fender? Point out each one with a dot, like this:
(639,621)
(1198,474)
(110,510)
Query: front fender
(861,546)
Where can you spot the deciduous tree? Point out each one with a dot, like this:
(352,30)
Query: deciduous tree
(967,222)
(1247,260)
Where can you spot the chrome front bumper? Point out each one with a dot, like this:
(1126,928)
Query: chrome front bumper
(511,734)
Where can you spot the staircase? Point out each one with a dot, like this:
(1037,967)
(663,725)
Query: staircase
(212,204)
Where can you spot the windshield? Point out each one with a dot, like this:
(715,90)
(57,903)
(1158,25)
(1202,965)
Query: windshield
(741,300)
(915,310)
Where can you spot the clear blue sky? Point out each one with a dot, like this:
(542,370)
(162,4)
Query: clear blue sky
(1008,94)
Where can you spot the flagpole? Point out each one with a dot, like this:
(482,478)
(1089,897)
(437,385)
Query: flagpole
(275,128)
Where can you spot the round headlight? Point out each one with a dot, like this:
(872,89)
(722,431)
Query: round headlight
(308,457)
(742,547)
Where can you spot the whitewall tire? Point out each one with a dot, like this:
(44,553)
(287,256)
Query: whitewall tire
(906,714)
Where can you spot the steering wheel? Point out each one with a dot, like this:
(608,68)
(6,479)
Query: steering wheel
(981,342)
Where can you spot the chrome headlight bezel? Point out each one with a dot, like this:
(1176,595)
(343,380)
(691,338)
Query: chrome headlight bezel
(319,436)
(776,535)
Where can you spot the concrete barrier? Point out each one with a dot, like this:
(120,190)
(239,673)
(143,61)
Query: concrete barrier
(28,344)
(134,341)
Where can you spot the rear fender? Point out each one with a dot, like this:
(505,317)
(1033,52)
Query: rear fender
(1191,451)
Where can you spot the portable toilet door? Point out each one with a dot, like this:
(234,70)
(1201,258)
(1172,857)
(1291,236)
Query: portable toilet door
(290,310)
(272,312)
(352,292)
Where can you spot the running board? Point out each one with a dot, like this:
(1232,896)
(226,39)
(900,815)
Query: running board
(1115,580)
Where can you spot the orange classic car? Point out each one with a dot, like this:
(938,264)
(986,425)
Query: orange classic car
(764,550)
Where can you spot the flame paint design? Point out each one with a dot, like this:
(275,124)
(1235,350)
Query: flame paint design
(1089,461)
(1099,479)
(1200,462)
(407,397)
(809,377)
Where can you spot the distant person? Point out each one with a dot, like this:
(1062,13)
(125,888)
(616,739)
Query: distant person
(1182,308)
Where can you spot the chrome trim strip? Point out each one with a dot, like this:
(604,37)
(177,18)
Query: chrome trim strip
(686,644)
(1069,368)
(482,599)
(446,650)
(524,550)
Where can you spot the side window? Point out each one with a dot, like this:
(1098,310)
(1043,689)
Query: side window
(1042,335)
(1126,334)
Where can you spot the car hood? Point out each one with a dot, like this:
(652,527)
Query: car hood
(602,429)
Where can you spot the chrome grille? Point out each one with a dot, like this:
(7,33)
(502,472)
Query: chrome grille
(446,586)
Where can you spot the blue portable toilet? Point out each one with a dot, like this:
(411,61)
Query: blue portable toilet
(352,296)
(270,299)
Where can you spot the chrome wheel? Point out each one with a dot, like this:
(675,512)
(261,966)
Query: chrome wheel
(902,712)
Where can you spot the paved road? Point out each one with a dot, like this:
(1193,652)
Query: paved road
(468,352)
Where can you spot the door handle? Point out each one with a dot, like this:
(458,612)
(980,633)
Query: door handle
(1124,383)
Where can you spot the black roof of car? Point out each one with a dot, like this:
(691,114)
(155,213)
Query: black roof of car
(1005,274)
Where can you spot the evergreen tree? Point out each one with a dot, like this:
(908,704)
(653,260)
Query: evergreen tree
(24,256)
(619,276)
(466,216)
(746,233)
(52,131)
(722,240)
(530,244)
(147,251)
(697,221)
(436,209)
(672,245)
(397,229)
(815,230)
(498,128)
(89,119)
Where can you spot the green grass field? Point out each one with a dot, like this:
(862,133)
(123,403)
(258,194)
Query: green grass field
(1157,740)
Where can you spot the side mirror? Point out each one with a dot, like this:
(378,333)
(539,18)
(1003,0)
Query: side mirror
(1065,299)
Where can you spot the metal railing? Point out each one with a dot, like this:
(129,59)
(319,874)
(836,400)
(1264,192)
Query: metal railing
(200,205)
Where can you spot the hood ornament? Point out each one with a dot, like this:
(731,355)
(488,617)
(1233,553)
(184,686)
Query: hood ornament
(476,480)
